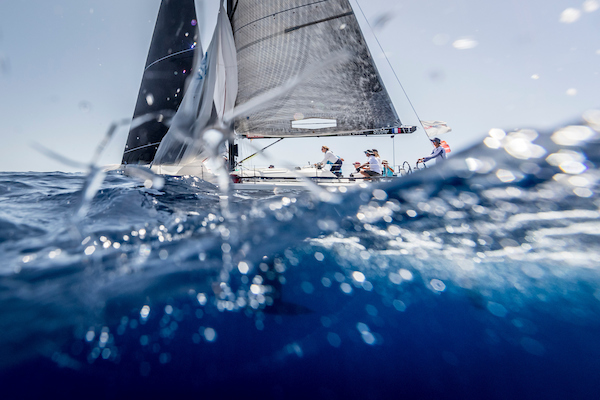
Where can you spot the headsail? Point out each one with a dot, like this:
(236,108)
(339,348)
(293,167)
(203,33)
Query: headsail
(211,93)
(277,41)
(169,62)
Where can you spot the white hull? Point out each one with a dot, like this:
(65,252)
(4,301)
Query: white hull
(269,179)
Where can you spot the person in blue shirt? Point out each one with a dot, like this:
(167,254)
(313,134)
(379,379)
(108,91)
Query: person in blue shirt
(438,154)
(387,170)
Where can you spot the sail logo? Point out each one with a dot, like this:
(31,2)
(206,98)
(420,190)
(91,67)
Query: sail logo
(314,123)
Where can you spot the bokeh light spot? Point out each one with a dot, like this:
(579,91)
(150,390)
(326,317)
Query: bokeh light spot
(570,15)
(438,285)
(465,44)
(210,334)
(358,276)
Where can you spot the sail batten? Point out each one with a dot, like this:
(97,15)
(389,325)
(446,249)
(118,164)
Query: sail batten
(288,30)
(273,14)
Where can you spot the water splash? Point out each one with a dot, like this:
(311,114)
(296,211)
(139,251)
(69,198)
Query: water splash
(440,261)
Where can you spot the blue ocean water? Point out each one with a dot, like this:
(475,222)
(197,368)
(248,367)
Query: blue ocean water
(477,279)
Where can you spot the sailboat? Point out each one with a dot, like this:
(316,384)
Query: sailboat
(272,70)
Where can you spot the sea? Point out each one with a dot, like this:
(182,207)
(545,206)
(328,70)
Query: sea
(475,279)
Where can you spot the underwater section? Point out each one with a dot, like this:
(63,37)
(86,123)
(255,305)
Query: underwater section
(475,279)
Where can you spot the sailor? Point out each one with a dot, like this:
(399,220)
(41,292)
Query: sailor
(387,170)
(376,154)
(438,154)
(356,166)
(331,158)
(372,167)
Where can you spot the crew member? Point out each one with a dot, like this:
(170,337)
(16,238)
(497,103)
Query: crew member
(336,167)
(372,167)
(387,170)
(438,153)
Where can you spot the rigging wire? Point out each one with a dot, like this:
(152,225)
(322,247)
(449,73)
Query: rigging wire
(390,64)
(259,151)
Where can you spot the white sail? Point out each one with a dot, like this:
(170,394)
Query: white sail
(227,75)
(210,94)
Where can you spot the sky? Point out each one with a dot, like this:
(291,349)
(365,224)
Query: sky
(71,68)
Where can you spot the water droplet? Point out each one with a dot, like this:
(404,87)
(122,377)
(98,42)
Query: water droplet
(307,287)
(532,346)
(85,106)
(243,267)
(210,334)
(358,276)
(145,311)
(465,44)
(346,288)
(334,339)
(497,309)
(570,15)
(438,285)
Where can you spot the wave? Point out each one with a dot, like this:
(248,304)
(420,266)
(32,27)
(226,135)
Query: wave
(488,263)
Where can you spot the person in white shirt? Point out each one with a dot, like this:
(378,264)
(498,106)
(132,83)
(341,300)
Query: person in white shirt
(376,154)
(372,167)
(336,167)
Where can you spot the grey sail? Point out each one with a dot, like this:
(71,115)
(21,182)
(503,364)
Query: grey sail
(279,40)
(170,59)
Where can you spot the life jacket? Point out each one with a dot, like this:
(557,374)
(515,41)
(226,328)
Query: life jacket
(445,146)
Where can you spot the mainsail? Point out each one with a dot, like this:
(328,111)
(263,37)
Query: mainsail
(170,59)
(278,40)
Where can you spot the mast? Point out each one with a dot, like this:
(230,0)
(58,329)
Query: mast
(232,147)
